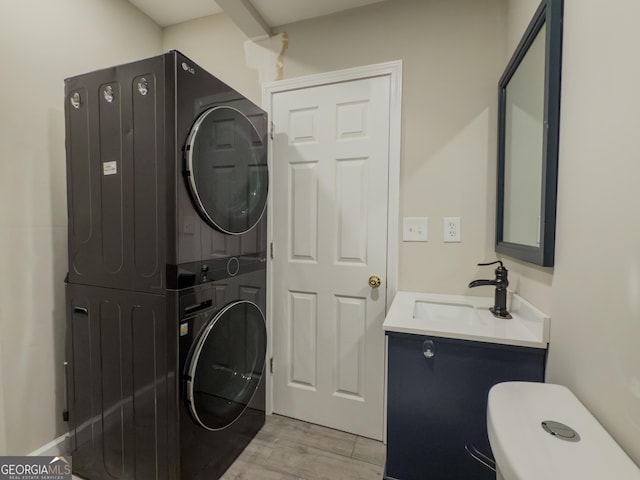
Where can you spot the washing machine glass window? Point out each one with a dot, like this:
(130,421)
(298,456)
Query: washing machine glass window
(226,168)
(226,365)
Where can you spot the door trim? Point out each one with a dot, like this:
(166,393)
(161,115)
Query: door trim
(393,70)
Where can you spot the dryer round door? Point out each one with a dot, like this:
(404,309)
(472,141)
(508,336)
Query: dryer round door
(226,365)
(226,169)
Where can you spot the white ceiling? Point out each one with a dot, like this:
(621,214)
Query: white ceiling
(273,12)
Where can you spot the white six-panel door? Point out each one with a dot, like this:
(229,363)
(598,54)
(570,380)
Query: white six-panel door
(330,159)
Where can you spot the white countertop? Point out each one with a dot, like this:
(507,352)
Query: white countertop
(529,327)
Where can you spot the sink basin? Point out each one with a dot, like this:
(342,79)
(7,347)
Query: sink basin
(467,318)
(448,312)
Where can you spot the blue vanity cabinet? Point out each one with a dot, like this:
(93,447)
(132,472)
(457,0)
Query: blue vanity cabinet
(437,405)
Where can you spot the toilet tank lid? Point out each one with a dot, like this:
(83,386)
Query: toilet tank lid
(524,450)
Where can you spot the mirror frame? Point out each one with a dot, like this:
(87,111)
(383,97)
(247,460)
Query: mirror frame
(550,13)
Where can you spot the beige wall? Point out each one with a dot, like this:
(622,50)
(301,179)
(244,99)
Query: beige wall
(217,45)
(44,42)
(595,328)
(519,14)
(3,430)
(453,53)
(595,292)
(594,288)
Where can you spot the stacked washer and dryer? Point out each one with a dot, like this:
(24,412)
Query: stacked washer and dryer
(166,292)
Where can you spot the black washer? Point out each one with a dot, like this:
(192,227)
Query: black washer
(226,365)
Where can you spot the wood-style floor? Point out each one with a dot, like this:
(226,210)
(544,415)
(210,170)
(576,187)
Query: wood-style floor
(288,449)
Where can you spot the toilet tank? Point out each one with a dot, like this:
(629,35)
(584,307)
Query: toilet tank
(570,445)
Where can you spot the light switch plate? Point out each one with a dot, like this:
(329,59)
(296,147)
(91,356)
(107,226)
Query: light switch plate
(415,229)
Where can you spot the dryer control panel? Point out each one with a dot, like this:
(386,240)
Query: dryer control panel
(197,273)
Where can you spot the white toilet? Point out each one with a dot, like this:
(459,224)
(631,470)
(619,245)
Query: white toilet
(570,445)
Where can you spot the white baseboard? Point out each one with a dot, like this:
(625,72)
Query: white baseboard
(59,446)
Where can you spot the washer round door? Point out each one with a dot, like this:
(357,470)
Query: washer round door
(226,169)
(226,365)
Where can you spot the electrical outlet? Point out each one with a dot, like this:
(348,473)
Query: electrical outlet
(415,229)
(451,228)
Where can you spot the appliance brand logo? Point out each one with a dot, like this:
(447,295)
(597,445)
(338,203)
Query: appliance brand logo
(187,68)
(35,468)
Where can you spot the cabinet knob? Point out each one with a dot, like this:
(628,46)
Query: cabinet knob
(428,349)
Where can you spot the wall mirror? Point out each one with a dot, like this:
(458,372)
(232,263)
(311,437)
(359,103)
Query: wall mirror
(528,133)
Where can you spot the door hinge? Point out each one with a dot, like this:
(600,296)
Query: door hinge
(271,132)
(271,365)
(271,250)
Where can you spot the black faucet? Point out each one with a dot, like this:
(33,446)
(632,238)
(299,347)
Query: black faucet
(501,282)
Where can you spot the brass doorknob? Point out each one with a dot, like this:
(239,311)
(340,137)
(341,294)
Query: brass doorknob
(374,281)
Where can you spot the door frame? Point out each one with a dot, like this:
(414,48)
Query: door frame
(393,70)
